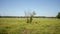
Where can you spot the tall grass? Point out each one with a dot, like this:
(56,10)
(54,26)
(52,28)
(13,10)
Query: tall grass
(38,26)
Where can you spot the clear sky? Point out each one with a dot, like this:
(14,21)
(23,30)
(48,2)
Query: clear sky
(41,7)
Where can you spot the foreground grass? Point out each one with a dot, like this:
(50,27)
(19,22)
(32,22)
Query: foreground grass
(38,26)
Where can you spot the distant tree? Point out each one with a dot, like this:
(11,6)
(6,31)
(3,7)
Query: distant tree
(0,15)
(26,15)
(30,15)
(58,16)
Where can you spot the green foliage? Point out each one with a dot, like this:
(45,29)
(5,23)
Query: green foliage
(58,16)
(3,30)
(31,18)
(27,20)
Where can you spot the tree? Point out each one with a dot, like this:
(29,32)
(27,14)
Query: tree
(58,16)
(0,15)
(26,15)
(30,15)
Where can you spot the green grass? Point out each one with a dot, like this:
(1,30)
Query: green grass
(38,26)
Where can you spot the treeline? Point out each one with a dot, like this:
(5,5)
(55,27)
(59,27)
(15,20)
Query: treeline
(25,17)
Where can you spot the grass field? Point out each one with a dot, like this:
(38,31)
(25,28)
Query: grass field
(38,26)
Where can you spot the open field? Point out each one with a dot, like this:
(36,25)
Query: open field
(38,26)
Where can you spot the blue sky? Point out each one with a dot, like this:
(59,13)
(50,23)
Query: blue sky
(41,7)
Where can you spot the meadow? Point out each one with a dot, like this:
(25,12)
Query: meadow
(38,26)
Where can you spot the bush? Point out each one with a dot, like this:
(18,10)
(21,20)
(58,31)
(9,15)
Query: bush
(58,16)
(3,30)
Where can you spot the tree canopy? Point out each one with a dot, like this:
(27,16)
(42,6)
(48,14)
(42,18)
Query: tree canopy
(58,16)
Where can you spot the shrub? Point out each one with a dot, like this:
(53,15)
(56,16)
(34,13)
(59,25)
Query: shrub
(58,16)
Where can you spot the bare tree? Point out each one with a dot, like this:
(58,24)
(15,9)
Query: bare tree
(30,15)
(26,15)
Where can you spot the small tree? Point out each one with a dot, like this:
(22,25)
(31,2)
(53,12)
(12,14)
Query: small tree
(30,15)
(0,16)
(58,16)
(26,15)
